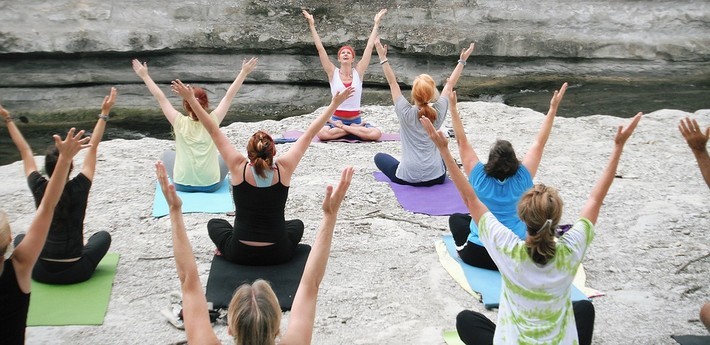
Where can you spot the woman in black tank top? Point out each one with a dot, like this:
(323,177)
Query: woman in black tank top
(260,235)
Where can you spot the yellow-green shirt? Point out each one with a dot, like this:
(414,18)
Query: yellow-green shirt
(196,161)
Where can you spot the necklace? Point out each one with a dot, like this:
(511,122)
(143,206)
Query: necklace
(345,75)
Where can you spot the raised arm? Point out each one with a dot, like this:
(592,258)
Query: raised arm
(229,153)
(223,107)
(361,66)
(27,252)
(596,197)
(194,304)
(303,313)
(291,158)
(697,141)
(328,66)
(475,207)
(89,166)
(456,73)
(169,111)
(534,155)
(389,72)
(469,158)
(28,159)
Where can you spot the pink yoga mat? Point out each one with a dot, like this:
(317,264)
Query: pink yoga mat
(438,200)
(293,134)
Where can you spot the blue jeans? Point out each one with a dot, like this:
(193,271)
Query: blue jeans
(388,165)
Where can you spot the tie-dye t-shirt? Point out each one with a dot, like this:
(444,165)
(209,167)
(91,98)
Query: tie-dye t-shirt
(535,301)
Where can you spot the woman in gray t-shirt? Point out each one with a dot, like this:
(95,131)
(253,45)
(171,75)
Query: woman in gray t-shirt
(421,163)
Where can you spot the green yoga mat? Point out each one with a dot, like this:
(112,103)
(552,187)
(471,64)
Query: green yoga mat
(83,303)
(451,337)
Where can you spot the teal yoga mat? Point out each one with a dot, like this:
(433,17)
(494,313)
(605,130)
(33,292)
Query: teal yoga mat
(485,282)
(82,303)
(219,201)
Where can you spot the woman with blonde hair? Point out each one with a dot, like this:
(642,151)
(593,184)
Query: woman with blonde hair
(16,271)
(254,314)
(535,303)
(260,184)
(195,165)
(346,121)
(421,163)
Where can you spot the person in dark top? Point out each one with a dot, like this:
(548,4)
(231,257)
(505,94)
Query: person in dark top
(65,259)
(15,271)
(261,235)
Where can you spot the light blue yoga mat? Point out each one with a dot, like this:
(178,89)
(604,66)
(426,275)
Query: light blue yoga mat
(219,201)
(485,282)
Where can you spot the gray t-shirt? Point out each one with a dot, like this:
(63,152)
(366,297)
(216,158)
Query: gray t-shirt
(421,160)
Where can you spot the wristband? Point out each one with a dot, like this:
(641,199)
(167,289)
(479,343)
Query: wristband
(9,119)
(384,61)
(103,117)
(462,62)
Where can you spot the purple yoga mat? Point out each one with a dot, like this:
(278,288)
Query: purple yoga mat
(293,134)
(438,200)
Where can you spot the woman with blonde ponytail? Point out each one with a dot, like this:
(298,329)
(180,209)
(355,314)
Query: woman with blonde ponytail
(421,163)
(261,235)
(535,304)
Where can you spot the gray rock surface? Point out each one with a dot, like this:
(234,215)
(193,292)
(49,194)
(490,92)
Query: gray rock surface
(56,54)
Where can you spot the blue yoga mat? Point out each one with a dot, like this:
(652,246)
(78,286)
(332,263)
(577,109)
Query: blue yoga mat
(485,282)
(219,201)
(437,200)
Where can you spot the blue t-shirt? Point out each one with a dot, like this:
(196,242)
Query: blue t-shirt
(501,198)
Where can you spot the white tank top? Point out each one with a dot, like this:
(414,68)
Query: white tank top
(336,85)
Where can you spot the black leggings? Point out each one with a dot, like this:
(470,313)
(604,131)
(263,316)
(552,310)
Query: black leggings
(475,328)
(222,235)
(472,254)
(53,272)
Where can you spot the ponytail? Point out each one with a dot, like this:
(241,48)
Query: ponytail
(260,151)
(541,209)
(423,92)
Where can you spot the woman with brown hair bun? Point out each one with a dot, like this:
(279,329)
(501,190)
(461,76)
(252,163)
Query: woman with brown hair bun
(421,163)
(260,184)
(499,183)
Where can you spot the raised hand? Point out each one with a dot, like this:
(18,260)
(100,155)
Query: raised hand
(378,16)
(185,91)
(438,138)
(72,144)
(334,196)
(249,65)
(624,133)
(341,96)
(466,52)
(141,69)
(4,113)
(108,102)
(557,96)
(693,134)
(309,18)
(452,98)
(168,189)
(381,49)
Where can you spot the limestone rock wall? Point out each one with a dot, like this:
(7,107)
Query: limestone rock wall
(60,54)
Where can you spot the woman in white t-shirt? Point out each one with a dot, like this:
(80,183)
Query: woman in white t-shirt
(535,304)
(346,122)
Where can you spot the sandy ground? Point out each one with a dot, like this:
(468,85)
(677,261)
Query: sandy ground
(384,284)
